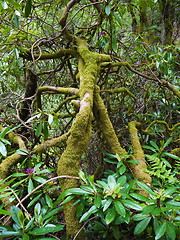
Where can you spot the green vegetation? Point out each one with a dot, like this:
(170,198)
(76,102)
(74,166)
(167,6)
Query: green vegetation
(89,120)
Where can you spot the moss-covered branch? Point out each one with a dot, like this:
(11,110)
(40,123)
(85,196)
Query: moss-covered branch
(138,170)
(105,125)
(51,89)
(128,66)
(162,123)
(26,54)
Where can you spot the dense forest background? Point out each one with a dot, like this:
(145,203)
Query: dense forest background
(89,119)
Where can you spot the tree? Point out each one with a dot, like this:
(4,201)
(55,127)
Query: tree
(80,51)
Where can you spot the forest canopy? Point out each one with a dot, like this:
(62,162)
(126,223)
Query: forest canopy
(89,119)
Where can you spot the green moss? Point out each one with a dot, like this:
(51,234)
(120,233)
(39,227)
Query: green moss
(138,170)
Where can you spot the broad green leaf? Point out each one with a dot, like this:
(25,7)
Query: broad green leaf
(53,212)
(108,10)
(110,216)
(28,8)
(50,119)
(139,216)
(23,152)
(34,200)
(4,212)
(167,142)
(49,201)
(37,209)
(67,199)
(16,213)
(97,201)
(45,230)
(172,203)
(133,161)
(5,141)
(170,230)
(145,188)
(122,180)
(111,182)
(45,130)
(39,179)
(154,145)
(30,223)
(120,208)
(86,215)
(16,20)
(19,175)
(172,156)
(149,208)
(106,203)
(131,204)
(9,233)
(122,169)
(4,5)
(30,186)
(150,148)
(25,237)
(141,226)
(139,197)
(39,129)
(3,150)
(161,230)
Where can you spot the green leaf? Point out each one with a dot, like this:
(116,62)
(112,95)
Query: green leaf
(39,129)
(25,237)
(106,203)
(141,226)
(97,201)
(4,212)
(119,208)
(145,188)
(111,182)
(19,175)
(167,142)
(34,200)
(161,230)
(9,234)
(170,230)
(16,21)
(49,201)
(122,169)
(133,161)
(37,209)
(110,216)
(17,215)
(122,180)
(172,156)
(50,119)
(5,141)
(150,148)
(30,186)
(45,230)
(4,5)
(139,216)
(39,179)
(45,130)
(28,8)
(149,208)
(131,204)
(23,152)
(67,199)
(52,213)
(108,10)
(3,150)
(154,145)
(139,197)
(86,215)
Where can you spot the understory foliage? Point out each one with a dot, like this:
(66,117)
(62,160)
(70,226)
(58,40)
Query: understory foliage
(89,120)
